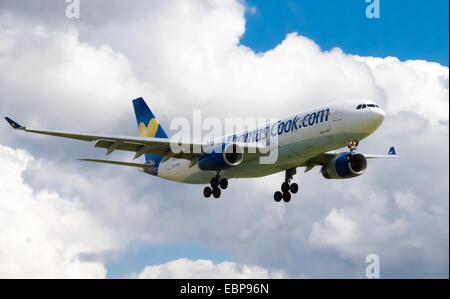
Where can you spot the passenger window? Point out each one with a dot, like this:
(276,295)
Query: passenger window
(359,107)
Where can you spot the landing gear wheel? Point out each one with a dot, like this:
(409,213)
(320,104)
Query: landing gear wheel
(352,145)
(285,187)
(223,184)
(293,188)
(278,196)
(207,192)
(287,197)
(214,182)
(216,192)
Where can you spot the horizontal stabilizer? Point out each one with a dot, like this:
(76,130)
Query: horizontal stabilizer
(138,165)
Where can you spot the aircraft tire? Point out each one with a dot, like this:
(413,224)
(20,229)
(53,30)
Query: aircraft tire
(207,192)
(278,196)
(287,197)
(216,192)
(223,184)
(214,183)
(293,188)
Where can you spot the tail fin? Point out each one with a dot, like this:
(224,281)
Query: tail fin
(148,125)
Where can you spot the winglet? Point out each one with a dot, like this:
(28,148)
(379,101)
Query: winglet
(392,151)
(14,124)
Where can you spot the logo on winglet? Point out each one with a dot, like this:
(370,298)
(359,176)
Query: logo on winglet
(392,151)
(14,124)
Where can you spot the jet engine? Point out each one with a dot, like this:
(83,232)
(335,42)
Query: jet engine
(345,166)
(221,156)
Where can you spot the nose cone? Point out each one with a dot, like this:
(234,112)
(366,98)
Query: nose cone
(376,117)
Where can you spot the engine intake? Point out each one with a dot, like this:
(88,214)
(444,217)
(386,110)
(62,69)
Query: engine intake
(221,156)
(345,166)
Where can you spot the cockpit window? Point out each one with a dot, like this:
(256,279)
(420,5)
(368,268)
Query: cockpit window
(377,106)
(359,107)
(371,105)
(363,106)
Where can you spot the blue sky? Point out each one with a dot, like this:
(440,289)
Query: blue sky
(411,29)
(133,259)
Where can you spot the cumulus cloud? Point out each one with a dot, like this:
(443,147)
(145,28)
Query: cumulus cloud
(43,235)
(336,230)
(406,201)
(74,78)
(204,269)
(413,85)
(181,55)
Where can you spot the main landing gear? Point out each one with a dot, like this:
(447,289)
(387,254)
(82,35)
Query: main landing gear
(287,188)
(216,184)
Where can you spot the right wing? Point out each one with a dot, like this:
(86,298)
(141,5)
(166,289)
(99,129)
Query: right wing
(324,158)
(140,145)
(391,154)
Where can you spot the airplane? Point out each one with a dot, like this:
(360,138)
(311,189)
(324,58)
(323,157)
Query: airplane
(305,139)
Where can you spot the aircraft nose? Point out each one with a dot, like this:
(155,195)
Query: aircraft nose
(377,116)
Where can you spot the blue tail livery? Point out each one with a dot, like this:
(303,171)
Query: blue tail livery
(148,126)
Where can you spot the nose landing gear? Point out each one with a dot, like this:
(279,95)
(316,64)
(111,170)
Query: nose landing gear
(352,145)
(287,188)
(216,184)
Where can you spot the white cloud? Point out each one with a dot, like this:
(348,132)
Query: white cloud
(407,201)
(413,85)
(185,55)
(205,269)
(42,234)
(88,88)
(337,229)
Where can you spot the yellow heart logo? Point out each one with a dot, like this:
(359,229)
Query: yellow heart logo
(150,130)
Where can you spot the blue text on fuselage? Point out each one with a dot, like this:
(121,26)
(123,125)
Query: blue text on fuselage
(282,127)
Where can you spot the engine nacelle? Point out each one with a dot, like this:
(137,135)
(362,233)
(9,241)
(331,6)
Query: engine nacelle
(345,166)
(221,156)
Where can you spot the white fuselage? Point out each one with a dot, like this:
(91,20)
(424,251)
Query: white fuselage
(300,137)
